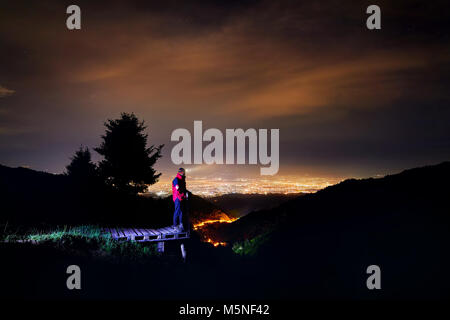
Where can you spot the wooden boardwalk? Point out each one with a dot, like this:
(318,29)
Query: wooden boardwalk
(144,235)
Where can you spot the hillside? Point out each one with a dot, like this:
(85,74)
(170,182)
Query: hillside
(320,245)
(33,198)
(417,193)
(25,194)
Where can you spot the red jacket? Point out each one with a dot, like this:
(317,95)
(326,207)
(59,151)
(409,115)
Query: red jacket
(179,188)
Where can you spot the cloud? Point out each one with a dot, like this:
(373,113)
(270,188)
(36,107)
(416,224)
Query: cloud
(5,91)
(6,130)
(231,72)
(241,64)
(371,79)
(267,62)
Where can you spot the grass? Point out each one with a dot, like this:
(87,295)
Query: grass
(252,246)
(86,232)
(84,240)
(89,240)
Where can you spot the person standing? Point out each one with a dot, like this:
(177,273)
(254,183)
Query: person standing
(179,196)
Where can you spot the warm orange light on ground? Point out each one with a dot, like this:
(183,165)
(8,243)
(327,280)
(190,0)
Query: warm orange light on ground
(216,244)
(204,222)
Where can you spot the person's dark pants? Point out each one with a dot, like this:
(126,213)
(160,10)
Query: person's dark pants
(178,213)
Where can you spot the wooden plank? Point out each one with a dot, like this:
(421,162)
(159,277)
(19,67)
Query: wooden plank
(120,232)
(143,232)
(163,230)
(151,232)
(115,233)
(172,230)
(135,233)
(132,232)
(156,233)
(129,233)
(141,235)
(160,230)
(169,230)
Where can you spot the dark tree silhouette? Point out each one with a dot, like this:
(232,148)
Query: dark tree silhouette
(81,167)
(128,163)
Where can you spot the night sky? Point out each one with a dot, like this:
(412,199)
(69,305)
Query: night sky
(347,100)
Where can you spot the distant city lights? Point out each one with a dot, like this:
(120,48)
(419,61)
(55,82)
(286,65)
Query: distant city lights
(208,187)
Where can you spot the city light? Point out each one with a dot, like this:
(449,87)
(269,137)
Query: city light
(208,187)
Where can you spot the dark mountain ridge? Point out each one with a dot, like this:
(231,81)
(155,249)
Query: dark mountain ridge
(421,192)
(320,245)
(33,198)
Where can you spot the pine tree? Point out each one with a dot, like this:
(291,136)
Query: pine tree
(128,162)
(81,167)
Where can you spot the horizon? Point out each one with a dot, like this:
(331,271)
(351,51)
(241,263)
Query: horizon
(208,186)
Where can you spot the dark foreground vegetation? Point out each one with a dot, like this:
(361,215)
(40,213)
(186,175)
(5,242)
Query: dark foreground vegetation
(316,246)
(320,245)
